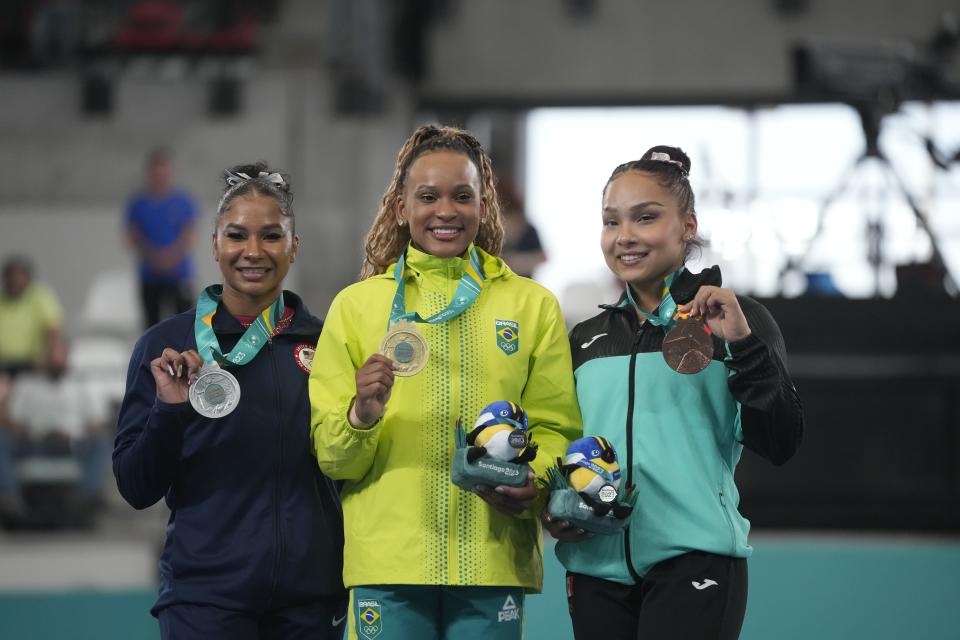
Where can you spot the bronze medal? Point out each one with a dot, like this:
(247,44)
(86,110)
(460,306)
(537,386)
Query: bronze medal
(688,346)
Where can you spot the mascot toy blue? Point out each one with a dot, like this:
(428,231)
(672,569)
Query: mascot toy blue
(585,487)
(501,433)
(496,451)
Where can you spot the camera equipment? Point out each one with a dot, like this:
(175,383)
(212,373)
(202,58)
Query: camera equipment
(874,78)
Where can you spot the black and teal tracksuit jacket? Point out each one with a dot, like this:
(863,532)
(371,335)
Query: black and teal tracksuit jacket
(679,437)
(254,524)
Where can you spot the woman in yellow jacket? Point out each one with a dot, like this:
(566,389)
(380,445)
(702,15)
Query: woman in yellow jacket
(423,558)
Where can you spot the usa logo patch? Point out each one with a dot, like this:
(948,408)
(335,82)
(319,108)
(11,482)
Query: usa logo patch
(508,336)
(303,354)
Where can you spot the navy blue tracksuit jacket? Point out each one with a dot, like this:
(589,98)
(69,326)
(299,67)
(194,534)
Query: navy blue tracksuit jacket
(254,525)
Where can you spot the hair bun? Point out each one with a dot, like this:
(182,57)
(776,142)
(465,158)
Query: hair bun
(243,172)
(672,155)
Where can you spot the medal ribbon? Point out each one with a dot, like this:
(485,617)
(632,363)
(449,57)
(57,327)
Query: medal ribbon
(253,339)
(666,311)
(467,292)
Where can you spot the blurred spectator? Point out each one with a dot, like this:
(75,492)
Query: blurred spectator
(48,415)
(160,223)
(522,250)
(30,321)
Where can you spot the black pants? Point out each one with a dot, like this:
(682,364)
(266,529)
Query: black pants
(695,596)
(162,300)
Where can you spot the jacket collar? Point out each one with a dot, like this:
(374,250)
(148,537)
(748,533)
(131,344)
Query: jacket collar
(302,323)
(418,263)
(684,287)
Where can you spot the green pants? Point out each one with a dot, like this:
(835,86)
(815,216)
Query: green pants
(430,612)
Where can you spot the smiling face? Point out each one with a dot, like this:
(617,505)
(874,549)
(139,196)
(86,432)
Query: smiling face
(254,245)
(645,234)
(441,202)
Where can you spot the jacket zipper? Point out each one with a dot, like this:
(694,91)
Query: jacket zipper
(733,538)
(630,400)
(276,490)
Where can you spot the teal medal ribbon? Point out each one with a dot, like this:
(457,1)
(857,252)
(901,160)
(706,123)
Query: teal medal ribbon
(468,289)
(253,339)
(666,311)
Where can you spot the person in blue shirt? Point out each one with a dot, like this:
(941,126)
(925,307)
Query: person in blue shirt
(160,223)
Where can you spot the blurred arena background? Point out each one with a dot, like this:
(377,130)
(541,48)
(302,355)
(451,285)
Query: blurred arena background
(825,139)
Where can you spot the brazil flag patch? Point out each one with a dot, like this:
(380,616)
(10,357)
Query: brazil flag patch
(369,621)
(508,336)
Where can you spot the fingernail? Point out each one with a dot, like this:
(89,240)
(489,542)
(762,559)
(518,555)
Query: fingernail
(170,371)
(499,489)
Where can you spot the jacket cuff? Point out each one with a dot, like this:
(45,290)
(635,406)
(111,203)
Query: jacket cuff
(360,432)
(745,347)
(181,408)
(171,415)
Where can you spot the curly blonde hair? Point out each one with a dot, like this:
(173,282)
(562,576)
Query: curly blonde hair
(386,239)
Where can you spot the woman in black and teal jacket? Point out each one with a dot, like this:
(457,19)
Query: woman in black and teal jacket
(679,568)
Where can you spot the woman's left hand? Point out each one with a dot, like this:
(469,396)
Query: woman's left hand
(511,501)
(721,311)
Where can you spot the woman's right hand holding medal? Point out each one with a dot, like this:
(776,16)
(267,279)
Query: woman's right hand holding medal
(172,372)
(374,384)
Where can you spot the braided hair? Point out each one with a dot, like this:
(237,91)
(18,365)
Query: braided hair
(386,239)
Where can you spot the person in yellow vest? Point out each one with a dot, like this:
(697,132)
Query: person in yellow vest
(424,558)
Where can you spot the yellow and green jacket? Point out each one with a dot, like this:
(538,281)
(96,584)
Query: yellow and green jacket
(405,521)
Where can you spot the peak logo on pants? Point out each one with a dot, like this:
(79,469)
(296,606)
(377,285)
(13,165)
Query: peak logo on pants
(509,611)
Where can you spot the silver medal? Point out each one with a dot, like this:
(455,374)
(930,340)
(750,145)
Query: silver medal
(215,393)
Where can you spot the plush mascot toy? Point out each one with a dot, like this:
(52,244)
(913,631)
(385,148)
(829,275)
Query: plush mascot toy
(501,433)
(585,488)
(592,470)
(496,451)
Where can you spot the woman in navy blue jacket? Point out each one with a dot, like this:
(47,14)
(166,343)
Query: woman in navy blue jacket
(216,419)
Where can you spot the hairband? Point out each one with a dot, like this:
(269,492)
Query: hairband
(233,179)
(659,156)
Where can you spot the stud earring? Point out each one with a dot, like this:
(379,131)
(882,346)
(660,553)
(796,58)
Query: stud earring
(401,223)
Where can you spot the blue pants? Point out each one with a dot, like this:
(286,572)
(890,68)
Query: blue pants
(319,620)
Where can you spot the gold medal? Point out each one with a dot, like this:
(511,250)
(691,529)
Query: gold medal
(407,348)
